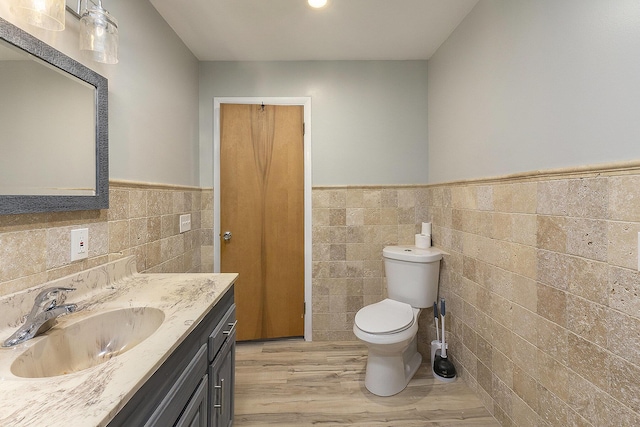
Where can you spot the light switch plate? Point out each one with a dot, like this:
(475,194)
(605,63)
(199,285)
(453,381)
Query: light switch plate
(185,223)
(79,244)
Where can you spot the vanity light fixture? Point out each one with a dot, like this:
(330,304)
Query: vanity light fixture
(47,14)
(98,28)
(317,4)
(99,34)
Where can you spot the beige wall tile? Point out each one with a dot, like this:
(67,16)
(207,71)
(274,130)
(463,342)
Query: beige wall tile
(525,323)
(354,216)
(118,204)
(406,198)
(523,415)
(354,198)
(464,197)
(22,253)
(552,233)
(624,198)
(551,408)
(553,339)
(552,197)
(525,292)
(525,356)
(138,203)
(553,375)
(588,197)
(584,318)
(337,217)
(372,198)
(623,241)
(552,269)
(524,229)
(502,227)
(525,197)
(118,235)
(623,335)
(624,382)
(587,238)
(526,387)
(588,279)
(589,360)
(624,288)
(552,304)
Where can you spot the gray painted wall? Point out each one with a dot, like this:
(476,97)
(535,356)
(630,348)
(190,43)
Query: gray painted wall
(535,84)
(153,94)
(369,118)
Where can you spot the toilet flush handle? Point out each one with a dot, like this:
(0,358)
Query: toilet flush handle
(226,236)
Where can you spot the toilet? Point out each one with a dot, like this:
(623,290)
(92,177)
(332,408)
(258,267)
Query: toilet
(390,327)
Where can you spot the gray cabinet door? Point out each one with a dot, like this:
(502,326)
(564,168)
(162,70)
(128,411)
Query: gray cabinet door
(172,406)
(195,414)
(222,374)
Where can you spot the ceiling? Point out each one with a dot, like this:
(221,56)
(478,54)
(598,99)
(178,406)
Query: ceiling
(290,30)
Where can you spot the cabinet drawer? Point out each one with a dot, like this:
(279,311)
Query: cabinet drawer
(222,332)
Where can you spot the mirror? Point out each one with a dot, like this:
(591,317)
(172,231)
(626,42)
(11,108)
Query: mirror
(53,129)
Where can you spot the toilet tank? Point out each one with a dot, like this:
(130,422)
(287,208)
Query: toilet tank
(412,274)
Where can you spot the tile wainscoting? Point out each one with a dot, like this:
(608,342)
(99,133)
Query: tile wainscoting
(351,225)
(541,283)
(142,220)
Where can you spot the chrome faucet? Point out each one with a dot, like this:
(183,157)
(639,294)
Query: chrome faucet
(47,307)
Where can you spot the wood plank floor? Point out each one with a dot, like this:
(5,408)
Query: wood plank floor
(298,383)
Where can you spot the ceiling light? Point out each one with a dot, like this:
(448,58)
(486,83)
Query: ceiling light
(47,14)
(317,4)
(99,35)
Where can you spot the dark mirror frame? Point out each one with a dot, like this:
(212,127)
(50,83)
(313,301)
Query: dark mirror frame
(17,204)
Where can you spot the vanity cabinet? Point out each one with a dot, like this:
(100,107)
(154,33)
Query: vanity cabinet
(194,386)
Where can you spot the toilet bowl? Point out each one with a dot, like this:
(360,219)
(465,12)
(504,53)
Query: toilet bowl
(389,328)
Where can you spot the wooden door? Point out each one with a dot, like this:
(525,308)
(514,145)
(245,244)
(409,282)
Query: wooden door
(262,206)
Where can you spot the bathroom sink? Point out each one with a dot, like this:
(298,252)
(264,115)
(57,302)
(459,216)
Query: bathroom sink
(88,342)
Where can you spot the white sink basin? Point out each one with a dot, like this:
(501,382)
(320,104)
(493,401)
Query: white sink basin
(87,343)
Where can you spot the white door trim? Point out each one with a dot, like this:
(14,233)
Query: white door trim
(306,103)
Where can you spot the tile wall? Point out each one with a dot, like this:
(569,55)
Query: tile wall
(542,285)
(350,228)
(541,282)
(142,220)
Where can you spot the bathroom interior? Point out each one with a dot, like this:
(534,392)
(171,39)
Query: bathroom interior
(495,135)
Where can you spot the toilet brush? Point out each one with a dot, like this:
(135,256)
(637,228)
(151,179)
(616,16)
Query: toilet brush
(442,366)
(435,317)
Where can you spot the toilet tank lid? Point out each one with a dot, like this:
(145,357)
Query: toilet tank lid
(412,253)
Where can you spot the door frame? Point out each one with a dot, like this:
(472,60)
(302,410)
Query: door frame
(304,101)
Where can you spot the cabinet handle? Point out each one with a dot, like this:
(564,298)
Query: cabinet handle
(221,388)
(233,326)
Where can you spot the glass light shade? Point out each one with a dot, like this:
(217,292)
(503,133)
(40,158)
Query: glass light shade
(47,14)
(317,3)
(99,35)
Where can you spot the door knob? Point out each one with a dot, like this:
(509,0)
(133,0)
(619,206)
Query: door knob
(226,236)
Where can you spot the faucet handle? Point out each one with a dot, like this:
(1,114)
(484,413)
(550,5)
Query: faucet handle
(49,298)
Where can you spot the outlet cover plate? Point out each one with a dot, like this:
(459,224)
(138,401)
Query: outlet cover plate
(79,244)
(185,223)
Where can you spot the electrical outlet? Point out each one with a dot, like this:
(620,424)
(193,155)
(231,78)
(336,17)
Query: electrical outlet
(185,223)
(79,244)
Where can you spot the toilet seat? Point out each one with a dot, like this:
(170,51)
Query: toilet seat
(385,317)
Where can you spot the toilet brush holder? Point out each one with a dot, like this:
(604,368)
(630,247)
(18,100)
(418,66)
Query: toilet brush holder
(435,345)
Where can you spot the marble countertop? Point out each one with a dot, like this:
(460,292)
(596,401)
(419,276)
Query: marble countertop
(92,397)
